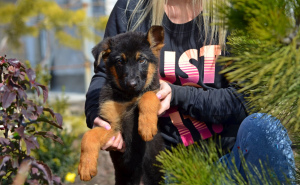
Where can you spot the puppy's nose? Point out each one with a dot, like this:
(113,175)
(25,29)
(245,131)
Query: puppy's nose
(132,83)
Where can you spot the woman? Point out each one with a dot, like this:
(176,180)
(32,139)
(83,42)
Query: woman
(197,102)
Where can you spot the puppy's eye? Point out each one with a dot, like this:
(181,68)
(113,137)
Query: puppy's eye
(143,61)
(119,61)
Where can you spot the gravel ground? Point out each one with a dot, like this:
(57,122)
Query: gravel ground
(105,174)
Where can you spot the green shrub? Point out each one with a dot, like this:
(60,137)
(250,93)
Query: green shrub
(200,164)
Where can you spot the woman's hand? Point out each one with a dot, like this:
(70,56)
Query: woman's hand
(164,94)
(115,143)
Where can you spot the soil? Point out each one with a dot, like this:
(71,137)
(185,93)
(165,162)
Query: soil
(105,174)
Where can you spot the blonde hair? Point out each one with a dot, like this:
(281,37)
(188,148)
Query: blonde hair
(213,26)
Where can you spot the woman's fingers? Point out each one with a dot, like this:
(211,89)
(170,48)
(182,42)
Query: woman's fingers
(164,105)
(109,143)
(98,122)
(115,143)
(120,143)
(164,94)
(164,91)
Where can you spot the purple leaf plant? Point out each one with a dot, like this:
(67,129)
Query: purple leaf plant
(18,115)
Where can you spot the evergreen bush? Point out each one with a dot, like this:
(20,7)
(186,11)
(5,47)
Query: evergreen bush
(264,63)
(264,47)
(200,163)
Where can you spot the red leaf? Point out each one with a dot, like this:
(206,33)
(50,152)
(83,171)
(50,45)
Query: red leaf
(31,143)
(22,94)
(45,91)
(45,169)
(34,170)
(22,75)
(14,83)
(33,84)
(4,141)
(59,119)
(39,110)
(2,173)
(30,115)
(50,111)
(49,121)
(25,113)
(31,74)
(14,62)
(15,163)
(56,180)
(49,135)
(8,98)
(4,160)
(7,145)
(17,72)
(20,131)
(4,88)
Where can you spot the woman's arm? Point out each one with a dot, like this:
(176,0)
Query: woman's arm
(211,106)
(223,105)
(92,98)
(116,24)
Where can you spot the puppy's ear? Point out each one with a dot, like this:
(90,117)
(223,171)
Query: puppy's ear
(155,37)
(101,51)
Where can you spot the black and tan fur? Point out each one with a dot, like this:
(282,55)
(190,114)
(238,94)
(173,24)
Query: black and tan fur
(128,102)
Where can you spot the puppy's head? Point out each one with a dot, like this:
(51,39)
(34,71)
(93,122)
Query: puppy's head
(131,58)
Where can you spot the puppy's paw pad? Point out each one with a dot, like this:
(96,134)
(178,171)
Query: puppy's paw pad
(87,169)
(147,133)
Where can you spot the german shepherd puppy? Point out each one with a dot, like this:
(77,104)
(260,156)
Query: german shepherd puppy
(129,103)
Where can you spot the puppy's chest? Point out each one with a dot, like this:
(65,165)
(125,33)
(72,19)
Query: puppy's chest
(116,112)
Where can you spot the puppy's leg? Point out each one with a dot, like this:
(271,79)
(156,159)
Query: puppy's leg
(149,105)
(95,138)
(91,143)
(151,169)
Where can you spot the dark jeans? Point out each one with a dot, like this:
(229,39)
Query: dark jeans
(262,140)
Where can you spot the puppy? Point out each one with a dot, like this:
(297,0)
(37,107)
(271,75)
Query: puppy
(128,102)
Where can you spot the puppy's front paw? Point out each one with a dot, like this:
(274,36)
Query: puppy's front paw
(87,168)
(149,105)
(147,128)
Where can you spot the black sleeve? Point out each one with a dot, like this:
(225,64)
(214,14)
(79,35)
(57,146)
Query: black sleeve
(117,23)
(221,106)
(92,97)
